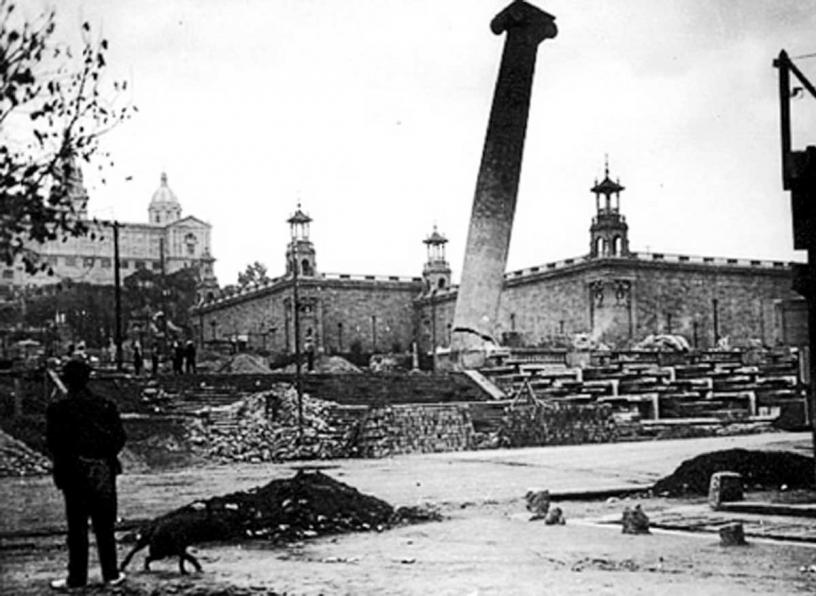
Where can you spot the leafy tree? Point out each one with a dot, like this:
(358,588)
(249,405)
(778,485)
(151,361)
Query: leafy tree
(254,275)
(53,110)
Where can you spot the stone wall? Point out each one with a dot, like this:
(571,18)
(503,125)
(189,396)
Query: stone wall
(680,297)
(374,313)
(393,430)
(556,424)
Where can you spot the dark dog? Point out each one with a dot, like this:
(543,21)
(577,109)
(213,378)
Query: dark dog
(171,534)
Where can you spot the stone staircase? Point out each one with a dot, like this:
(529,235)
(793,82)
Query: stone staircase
(706,390)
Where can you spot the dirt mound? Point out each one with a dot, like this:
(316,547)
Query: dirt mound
(324,364)
(307,505)
(246,364)
(759,470)
(18,459)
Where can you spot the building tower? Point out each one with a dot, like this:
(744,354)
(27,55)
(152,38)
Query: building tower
(436,272)
(300,249)
(608,233)
(74,186)
(164,206)
(206,284)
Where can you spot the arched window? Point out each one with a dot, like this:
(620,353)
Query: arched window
(599,246)
(617,245)
(441,283)
(306,267)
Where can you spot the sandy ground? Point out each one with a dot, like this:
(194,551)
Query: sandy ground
(486,545)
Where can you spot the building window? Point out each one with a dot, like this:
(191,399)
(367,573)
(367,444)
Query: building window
(8,274)
(105,263)
(156,265)
(88,262)
(190,240)
(70,261)
(139,264)
(124,264)
(52,260)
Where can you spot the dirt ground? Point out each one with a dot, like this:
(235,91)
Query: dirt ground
(480,549)
(486,544)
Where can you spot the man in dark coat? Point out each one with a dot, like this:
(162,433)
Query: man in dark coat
(85,435)
(190,357)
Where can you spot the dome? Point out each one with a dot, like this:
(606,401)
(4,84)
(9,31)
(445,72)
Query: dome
(164,194)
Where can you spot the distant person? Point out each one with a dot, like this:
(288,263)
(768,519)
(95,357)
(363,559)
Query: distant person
(138,359)
(178,358)
(190,356)
(85,435)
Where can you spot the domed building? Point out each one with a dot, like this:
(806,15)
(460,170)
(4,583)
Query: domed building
(167,243)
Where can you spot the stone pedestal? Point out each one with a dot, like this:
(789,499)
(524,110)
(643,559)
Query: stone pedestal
(724,487)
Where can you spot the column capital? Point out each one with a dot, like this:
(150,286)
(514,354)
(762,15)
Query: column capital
(523,18)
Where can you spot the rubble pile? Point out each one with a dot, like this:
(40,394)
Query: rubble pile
(663,343)
(759,470)
(264,427)
(18,459)
(245,364)
(307,505)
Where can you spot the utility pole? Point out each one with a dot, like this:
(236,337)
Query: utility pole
(117,295)
(799,177)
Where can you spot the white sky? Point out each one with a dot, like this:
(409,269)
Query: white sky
(373,114)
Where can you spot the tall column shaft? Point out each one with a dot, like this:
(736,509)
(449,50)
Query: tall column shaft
(494,202)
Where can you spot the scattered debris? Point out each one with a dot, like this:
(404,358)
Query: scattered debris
(663,343)
(635,521)
(538,501)
(555,517)
(18,459)
(759,469)
(605,565)
(732,535)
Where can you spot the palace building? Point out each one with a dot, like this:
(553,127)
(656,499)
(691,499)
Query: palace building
(166,243)
(612,295)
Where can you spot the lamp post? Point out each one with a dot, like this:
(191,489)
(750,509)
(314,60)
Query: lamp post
(296,321)
(117,283)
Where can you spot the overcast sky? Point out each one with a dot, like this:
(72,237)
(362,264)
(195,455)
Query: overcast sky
(372,113)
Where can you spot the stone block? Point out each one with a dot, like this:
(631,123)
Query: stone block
(724,487)
(732,535)
(635,521)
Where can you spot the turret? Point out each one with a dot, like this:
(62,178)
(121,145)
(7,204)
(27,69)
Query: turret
(609,232)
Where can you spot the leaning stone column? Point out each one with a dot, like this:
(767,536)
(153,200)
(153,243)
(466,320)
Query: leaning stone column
(494,203)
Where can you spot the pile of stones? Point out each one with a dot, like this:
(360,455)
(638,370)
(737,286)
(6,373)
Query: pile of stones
(264,427)
(17,459)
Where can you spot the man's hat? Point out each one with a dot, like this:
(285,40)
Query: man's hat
(76,373)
